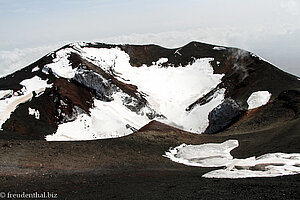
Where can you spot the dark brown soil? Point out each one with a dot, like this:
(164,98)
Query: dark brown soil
(133,167)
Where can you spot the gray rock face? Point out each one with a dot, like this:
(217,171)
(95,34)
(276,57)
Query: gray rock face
(137,104)
(95,82)
(133,104)
(223,116)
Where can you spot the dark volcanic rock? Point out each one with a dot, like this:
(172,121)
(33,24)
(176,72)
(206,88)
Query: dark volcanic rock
(96,83)
(223,116)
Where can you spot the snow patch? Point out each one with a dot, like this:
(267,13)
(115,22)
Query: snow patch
(34,112)
(35,69)
(218,155)
(8,105)
(78,129)
(267,165)
(258,99)
(219,48)
(61,66)
(204,155)
(35,84)
(162,61)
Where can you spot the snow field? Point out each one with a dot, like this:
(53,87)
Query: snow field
(168,90)
(218,155)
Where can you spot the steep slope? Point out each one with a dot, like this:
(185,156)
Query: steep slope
(86,91)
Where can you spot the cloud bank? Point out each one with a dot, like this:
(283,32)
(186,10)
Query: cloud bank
(16,59)
(278,47)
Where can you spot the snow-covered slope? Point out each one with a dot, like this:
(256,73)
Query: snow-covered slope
(168,90)
(86,91)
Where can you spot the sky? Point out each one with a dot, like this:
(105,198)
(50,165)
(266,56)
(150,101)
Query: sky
(32,28)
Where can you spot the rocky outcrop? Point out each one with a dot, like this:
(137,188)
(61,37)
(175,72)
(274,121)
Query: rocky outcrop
(101,87)
(223,116)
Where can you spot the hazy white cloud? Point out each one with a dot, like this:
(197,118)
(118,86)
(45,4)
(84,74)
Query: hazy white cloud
(291,6)
(16,59)
(258,39)
(245,37)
